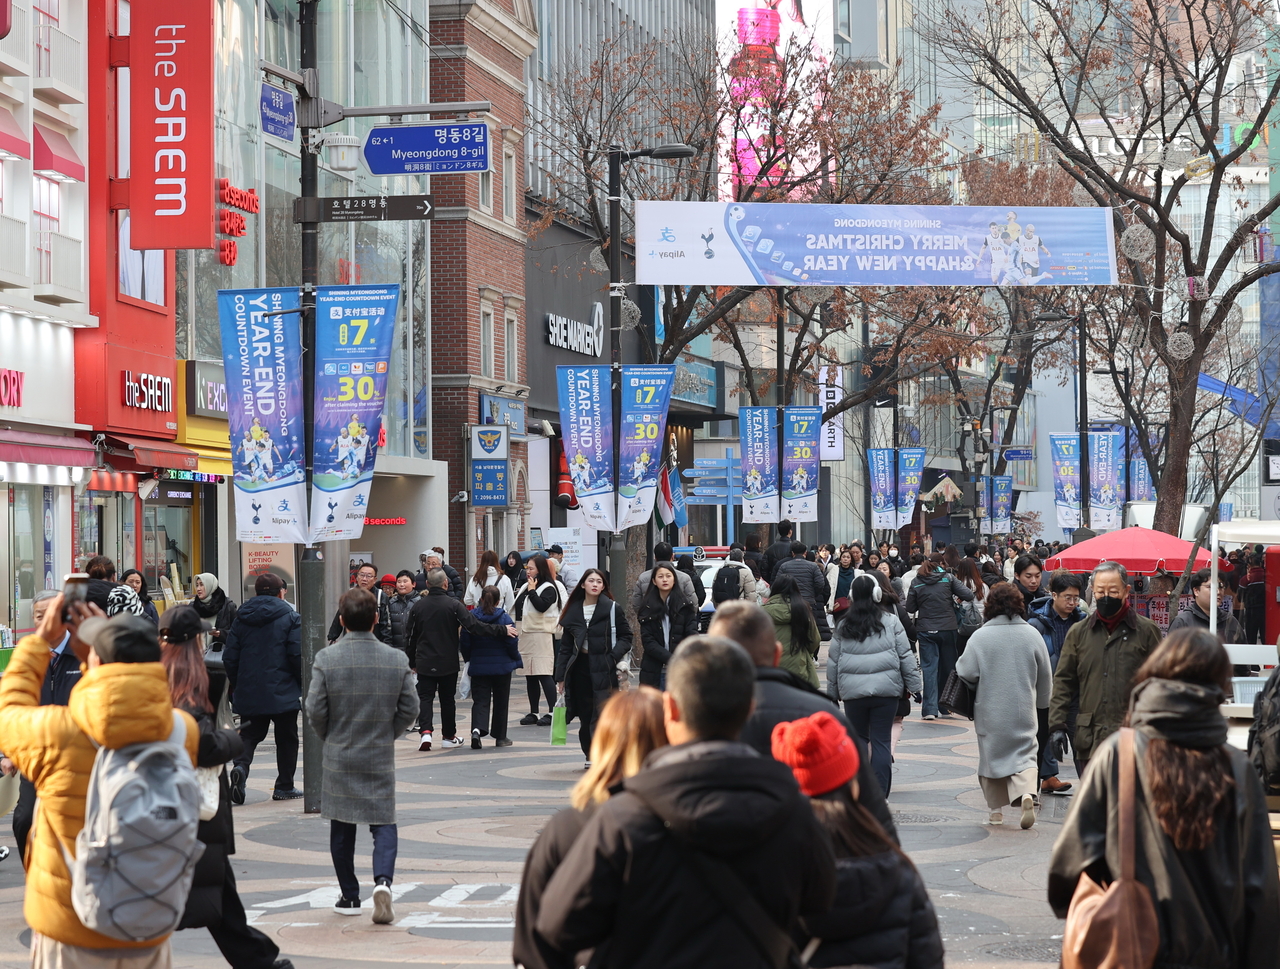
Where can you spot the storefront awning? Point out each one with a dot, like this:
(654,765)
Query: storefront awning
(54,156)
(157,454)
(24,447)
(113,481)
(214,461)
(12,138)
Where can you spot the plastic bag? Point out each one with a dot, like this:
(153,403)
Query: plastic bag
(559,723)
(464,682)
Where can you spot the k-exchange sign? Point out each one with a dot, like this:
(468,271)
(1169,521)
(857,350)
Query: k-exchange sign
(797,244)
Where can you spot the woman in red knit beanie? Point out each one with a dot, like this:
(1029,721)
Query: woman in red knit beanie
(882,916)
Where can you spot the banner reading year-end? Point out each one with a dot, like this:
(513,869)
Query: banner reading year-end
(1002,501)
(262,356)
(801,431)
(910,471)
(884,509)
(646,394)
(1066,478)
(758,429)
(586,421)
(789,244)
(1106,480)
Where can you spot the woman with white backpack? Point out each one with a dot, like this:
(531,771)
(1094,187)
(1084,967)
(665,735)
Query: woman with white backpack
(537,615)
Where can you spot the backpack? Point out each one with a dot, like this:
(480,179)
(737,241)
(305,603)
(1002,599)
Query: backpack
(1264,735)
(136,855)
(727,584)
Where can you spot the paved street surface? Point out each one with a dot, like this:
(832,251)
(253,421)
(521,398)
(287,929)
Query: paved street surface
(467,818)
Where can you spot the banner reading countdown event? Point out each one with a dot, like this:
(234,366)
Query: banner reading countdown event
(1066,478)
(910,471)
(884,501)
(758,430)
(355,327)
(800,244)
(800,462)
(1002,517)
(646,395)
(264,413)
(1106,480)
(586,423)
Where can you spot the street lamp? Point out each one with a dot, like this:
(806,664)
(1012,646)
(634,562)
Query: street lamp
(1082,380)
(617,291)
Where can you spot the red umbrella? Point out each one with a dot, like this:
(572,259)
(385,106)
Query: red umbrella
(1140,550)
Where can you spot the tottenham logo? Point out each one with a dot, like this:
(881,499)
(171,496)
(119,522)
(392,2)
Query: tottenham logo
(332,506)
(710,253)
(256,508)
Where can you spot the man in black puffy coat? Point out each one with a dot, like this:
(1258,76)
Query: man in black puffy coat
(811,581)
(779,551)
(263,660)
(398,606)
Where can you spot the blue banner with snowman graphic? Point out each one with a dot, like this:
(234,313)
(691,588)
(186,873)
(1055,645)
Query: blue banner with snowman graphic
(801,433)
(1002,502)
(1106,480)
(586,424)
(1066,479)
(646,395)
(884,501)
(758,432)
(910,471)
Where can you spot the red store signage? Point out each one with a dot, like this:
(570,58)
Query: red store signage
(171,50)
(11,382)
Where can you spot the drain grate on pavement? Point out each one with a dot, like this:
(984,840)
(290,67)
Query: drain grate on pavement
(918,818)
(1028,950)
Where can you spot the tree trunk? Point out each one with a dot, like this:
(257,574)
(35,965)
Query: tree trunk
(1173,480)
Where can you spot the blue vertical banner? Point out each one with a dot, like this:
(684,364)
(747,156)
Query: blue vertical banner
(1106,484)
(910,471)
(801,436)
(46,527)
(678,505)
(1066,478)
(355,329)
(586,423)
(758,431)
(984,504)
(1141,488)
(884,498)
(1002,504)
(263,360)
(646,395)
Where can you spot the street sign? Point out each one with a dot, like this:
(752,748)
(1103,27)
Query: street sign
(277,112)
(427,149)
(712,492)
(1019,454)
(365,208)
(708,500)
(712,462)
(717,472)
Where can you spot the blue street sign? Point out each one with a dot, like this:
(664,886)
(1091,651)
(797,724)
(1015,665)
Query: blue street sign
(716,472)
(1019,454)
(712,462)
(277,113)
(425,149)
(712,492)
(706,500)
(489,482)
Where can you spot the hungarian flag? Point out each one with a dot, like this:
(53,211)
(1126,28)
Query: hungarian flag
(663,507)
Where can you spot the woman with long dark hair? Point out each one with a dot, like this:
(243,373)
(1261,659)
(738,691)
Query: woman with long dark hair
(537,615)
(136,581)
(593,652)
(869,664)
(492,660)
(685,564)
(891,601)
(844,573)
(1203,843)
(488,573)
(666,618)
(795,628)
(513,568)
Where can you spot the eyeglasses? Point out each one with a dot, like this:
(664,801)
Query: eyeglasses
(1071,600)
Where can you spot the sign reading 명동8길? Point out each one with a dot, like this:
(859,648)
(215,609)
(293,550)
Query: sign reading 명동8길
(780,244)
(425,149)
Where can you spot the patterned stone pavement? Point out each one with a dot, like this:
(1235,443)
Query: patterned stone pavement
(468,817)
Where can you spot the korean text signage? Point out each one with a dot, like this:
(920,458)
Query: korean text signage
(262,357)
(781,244)
(801,429)
(1066,478)
(646,395)
(758,428)
(277,112)
(490,472)
(910,471)
(171,192)
(206,389)
(884,510)
(231,222)
(11,384)
(146,391)
(355,327)
(428,148)
(586,422)
(584,338)
(1002,504)
(1106,480)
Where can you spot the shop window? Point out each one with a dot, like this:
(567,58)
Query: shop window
(103,523)
(486,191)
(486,342)
(510,363)
(166,547)
(141,270)
(32,538)
(509,186)
(46,218)
(48,13)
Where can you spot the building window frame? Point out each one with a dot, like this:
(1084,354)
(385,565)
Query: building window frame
(486,192)
(510,360)
(509,186)
(486,340)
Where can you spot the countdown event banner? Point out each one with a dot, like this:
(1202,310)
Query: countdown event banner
(355,328)
(586,422)
(884,509)
(262,355)
(801,431)
(1065,449)
(910,471)
(802,244)
(758,431)
(646,395)
(1002,502)
(1106,480)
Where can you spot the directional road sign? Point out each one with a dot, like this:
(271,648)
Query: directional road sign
(716,472)
(1019,454)
(427,149)
(277,113)
(712,462)
(712,492)
(365,208)
(706,500)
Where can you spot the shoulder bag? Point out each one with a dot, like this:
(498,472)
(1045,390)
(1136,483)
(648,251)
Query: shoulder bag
(1115,927)
(957,696)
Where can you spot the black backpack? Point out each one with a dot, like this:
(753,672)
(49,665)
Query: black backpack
(1264,735)
(727,584)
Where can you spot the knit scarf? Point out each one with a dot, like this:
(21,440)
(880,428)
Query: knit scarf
(1115,620)
(1182,713)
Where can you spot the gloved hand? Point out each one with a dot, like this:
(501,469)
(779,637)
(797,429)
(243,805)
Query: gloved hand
(1059,743)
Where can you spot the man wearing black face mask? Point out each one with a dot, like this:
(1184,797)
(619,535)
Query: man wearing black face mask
(1099,659)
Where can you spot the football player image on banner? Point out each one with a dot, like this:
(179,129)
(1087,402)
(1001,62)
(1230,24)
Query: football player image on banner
(1106,480)
(262,355)
(1002,516)
(586,421)
(884,509)
(910,471)
(800,462)
(355,327)
(1066,478)
(758,428)
(646,394)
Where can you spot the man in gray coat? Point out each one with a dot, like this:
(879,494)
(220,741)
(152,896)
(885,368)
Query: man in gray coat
(361,699)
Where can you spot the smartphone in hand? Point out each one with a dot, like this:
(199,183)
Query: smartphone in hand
(75,588)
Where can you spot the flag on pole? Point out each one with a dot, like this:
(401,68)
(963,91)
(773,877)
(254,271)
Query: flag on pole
(664,507)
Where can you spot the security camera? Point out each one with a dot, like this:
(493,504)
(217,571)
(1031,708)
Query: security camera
(459,498)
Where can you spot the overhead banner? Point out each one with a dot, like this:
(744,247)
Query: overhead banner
(789,244)
(586,423)
(262,358)
(355,328)
(1002,504)
(1141,487)
(801,431)
(1066,478)
(758,430)
(830,393)
(646,395)
(884,499)
(1106,480)
(910,471)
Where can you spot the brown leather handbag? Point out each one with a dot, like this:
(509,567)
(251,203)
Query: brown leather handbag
(1115,927)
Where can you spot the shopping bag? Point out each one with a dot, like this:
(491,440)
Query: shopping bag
(559,723)
(464,682)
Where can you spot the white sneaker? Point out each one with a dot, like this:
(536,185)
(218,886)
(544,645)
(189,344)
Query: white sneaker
(450,742)
(383,913)
(426,740)
(997,817)
(1028,811)
(587,766)
(930,716)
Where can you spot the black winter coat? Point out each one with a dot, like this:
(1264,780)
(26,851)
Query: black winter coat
(217,747)
(778,552)
(432,636)
(398,606)
(882,918)
(596,646)
(628,889)
(59,679)
(381,629)
(220,611)
(658,646)
(932,596)
(782,697)
(810,580)
(457,588)
(263,658)
(491,655)
(529,949)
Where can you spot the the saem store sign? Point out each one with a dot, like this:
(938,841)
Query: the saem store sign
(171,192)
